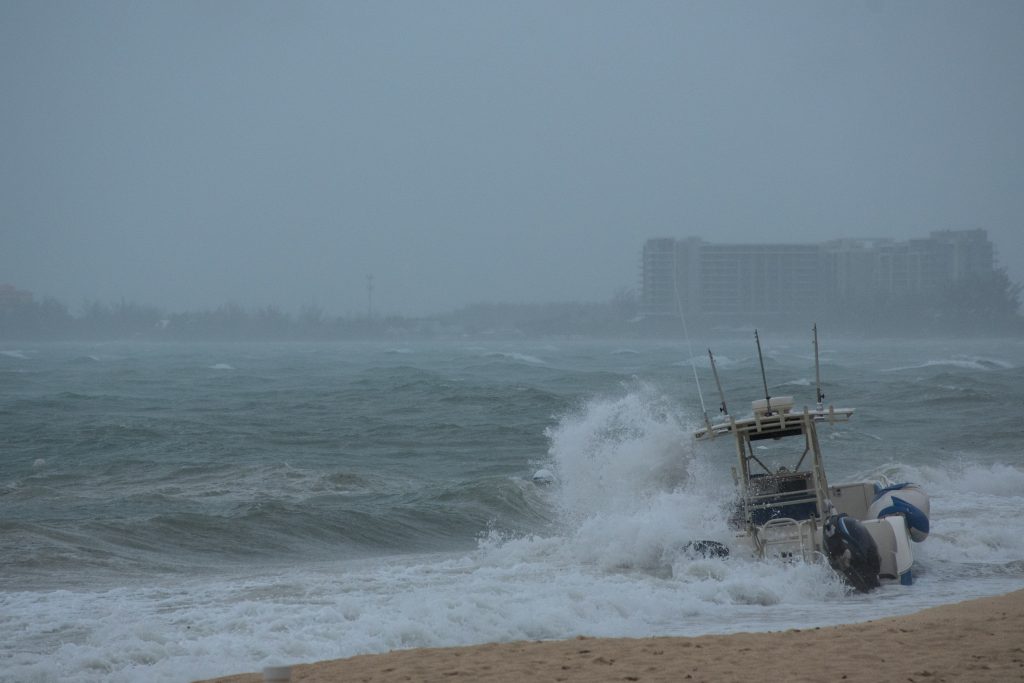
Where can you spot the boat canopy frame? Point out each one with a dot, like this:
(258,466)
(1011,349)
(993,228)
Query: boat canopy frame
(790,493)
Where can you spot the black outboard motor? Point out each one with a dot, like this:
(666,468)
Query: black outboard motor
(852,552)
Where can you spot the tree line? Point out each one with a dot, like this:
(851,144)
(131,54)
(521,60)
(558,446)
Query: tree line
(987,304)
(49,319)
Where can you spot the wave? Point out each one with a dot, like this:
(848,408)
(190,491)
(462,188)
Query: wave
(519,357)
(614,450)
(600,552)
(86,359)
(703,362)
(221,624)
(218,513)
(960,478)
(626,493)
(968,363)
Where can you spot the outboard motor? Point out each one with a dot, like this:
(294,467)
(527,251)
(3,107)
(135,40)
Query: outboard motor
(852,552)
(907,500)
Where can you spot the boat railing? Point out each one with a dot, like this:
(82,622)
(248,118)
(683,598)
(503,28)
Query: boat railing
(801,504)
(784,493)
(787,537)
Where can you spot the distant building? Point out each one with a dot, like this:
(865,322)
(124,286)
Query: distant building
(857,269)
(12,297)
(694,277)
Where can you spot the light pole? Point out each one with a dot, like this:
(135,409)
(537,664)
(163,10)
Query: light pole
(369,296)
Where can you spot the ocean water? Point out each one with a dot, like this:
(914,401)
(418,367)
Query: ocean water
(172,512)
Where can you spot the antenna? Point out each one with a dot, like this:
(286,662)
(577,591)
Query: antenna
(689,347)
(369,296)
(817,369)
(764,379)
(721,408)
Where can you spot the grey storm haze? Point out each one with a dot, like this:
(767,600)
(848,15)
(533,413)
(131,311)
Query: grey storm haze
(187,154)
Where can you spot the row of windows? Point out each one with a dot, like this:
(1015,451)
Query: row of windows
(765,278)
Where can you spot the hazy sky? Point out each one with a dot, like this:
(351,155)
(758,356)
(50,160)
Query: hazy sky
(187,154)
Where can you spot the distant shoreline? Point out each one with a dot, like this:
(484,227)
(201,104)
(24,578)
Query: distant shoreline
(50,320)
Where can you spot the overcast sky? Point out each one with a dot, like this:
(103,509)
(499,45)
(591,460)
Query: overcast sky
(187,154)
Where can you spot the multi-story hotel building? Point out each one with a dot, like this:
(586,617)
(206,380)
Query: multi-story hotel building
(694,277)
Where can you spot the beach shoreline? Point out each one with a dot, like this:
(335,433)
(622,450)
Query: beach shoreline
(976,640)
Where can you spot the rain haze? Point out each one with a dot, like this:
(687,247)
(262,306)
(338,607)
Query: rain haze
(188,154)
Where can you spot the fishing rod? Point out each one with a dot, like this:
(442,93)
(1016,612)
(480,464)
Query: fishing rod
(817,370)
(764,378)
(714,368)
(689,347)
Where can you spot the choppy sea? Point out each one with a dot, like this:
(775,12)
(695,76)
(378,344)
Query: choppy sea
(171,512)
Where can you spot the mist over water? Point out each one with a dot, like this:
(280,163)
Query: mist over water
(275,155)
(172,512)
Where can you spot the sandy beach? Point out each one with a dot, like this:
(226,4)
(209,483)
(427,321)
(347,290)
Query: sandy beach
(977,640)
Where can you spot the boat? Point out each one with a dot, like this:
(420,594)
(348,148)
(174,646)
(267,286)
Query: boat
(786,507)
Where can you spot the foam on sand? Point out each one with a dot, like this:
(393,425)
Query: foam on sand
(978,640)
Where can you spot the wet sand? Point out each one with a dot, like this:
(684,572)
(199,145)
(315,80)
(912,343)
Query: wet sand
(978,640)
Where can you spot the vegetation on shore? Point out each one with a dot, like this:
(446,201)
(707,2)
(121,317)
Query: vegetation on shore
(989,306)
